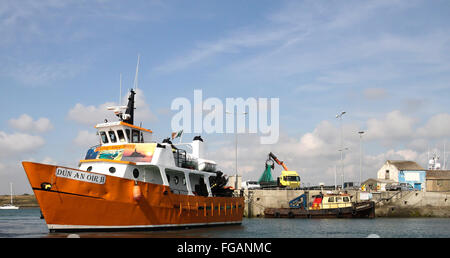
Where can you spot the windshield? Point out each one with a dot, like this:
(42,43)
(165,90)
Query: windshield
(292,178)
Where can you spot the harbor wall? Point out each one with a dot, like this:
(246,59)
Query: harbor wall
(415,204)
(388,204)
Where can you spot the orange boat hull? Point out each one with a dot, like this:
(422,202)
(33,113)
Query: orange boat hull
(70,205)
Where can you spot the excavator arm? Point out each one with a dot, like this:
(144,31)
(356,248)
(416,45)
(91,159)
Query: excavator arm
(281,163)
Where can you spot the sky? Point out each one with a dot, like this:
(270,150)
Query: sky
(385,62)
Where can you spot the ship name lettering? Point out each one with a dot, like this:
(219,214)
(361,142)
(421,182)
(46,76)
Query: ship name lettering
(80,176)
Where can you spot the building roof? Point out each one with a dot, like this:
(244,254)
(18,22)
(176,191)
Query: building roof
(377,180)
(405,165)
(438,174)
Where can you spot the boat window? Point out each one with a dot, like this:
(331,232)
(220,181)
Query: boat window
(121,135)
(112,170)
(346,199)
(112,136)
(338,199)
(135,173)
(104,137)
(135,135)
(176,179)
(128,133)
(89,168)
(331,199)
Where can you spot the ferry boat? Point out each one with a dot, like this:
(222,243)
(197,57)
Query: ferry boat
(324,206)
(129,182)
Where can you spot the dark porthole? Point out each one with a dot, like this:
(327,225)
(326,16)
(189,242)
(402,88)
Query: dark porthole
(136,173)
(89,168)
(112,169)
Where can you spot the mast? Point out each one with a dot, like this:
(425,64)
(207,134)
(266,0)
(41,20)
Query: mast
(10,185)
(137,72)
(129,113)
(120,91)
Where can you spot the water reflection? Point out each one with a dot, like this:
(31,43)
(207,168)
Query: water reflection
(196,232)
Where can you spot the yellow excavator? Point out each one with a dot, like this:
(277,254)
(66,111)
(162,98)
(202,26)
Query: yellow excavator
(288,178)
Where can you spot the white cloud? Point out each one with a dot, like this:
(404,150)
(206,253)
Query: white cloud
(86,139)
(25,123)
(49,160)
(92,115)
(395,126)
(405,154)
(39,73)
(437,126)
(17,143)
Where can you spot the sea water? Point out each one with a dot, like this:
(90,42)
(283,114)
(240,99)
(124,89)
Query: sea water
(26,223)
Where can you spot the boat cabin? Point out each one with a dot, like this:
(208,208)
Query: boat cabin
(112,133)
(332,201)
(127,151)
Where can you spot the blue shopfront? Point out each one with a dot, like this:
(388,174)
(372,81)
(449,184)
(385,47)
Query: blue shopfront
(416,178)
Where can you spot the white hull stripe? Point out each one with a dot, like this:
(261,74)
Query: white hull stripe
(68,227)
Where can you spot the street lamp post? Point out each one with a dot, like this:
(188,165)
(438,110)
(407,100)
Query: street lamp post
(342,165)
(341,147)
(236,149)
(360,156)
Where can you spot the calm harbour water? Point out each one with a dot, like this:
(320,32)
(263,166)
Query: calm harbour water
(26,223)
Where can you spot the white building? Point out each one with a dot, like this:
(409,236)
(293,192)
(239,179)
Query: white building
(402,171)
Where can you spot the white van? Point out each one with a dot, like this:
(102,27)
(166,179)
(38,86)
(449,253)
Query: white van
(250,185)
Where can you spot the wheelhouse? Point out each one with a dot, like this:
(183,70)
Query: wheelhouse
(121,133)
(336,201)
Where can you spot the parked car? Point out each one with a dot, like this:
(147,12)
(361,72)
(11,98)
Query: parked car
(392,187)
(406,187)
(250,185)
(399,187)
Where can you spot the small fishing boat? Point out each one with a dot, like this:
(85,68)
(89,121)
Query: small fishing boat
(9,206)
(324,206)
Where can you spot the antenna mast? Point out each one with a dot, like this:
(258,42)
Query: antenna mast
(137,71)
(120,92)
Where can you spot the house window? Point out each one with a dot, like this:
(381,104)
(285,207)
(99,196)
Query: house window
(386,176)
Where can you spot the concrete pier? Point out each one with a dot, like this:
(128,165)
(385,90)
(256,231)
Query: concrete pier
(388,204)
